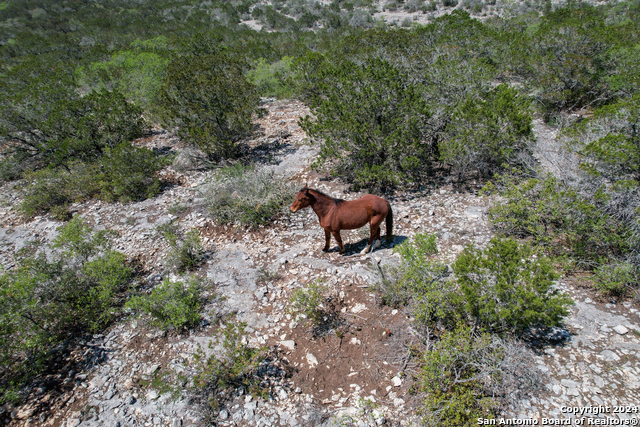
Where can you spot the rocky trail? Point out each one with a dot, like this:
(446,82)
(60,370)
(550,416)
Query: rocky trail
(133,375)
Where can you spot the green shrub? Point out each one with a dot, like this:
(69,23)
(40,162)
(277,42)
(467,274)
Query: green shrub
(71,288)
(129,173)
(185,254)
(369,120)
(565,60)
(423,245)
(608,144)
(247,195)
(271,79)
(559,218)
(46,189)
(209,99)
(616,279)
(488,133)
(452,376)
(308,301)
(176,304)
(508,287)
(124,173)
(70,130)
(420,283)
(72,148)
(469,376)
(235,368)
(138,72)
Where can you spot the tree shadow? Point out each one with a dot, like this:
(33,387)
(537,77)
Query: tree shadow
(268,152)
(62,369)
(539,338)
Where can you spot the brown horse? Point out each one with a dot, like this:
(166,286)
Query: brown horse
(337,214)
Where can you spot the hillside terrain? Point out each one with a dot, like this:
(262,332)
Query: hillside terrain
(128,374)
(153,274)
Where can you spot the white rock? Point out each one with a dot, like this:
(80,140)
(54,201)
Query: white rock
(281,393)
(609,356)
(573,392)
(569,383)
(311,360)
(396,381)
(621,329)
(599,382)
(397,402)
(359,307)
(288,344)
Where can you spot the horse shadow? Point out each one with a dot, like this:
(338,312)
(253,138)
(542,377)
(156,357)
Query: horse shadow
(357,247)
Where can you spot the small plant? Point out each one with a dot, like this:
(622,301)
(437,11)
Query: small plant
(423,246)
(308,301)
(266,276)
(235,368)
(177,209)
(171,304)
(168,230)
(247,195)
(187,253)
(165,380)
(616,279)
(420,283)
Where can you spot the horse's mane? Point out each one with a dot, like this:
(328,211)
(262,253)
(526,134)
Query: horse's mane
(338,201)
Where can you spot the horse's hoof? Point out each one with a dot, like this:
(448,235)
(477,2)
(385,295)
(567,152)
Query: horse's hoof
(325,249)
(376,244)
(365,250)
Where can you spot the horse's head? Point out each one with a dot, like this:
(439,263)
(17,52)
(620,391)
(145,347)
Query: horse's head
(303,199)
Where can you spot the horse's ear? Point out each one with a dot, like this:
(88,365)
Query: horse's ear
(306,187)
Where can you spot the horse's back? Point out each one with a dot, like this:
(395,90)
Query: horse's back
(378,204)
(371,204)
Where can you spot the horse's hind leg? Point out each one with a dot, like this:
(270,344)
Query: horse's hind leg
(374,236)
(377,243)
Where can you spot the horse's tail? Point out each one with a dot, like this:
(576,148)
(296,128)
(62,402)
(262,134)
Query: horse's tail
(389,224)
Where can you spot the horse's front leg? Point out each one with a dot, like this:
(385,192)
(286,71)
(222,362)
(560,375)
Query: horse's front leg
(327,238)
(336,234)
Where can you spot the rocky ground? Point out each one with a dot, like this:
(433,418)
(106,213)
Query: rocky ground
(136,375)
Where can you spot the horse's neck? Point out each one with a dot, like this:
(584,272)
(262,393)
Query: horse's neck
(322,204)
